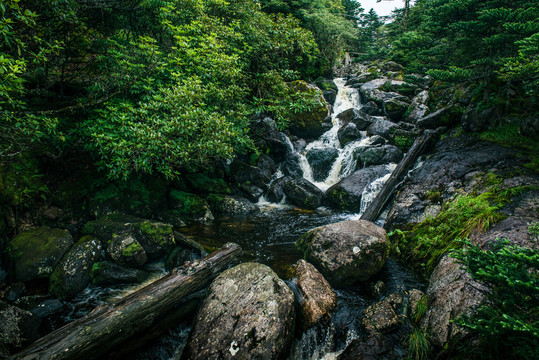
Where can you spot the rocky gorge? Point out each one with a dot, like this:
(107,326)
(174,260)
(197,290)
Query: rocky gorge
(337,279)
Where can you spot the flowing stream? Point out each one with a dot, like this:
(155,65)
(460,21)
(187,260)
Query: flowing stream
(268,237)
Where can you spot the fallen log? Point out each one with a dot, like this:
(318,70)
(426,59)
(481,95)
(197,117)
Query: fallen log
(375,208)
(108,326)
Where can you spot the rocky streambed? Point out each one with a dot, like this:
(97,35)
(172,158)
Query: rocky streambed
(313,281)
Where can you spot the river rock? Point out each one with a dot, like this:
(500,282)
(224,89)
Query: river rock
(372,348)
(252,192)
(292,166)
(395,108)
(371,108)
(308,124)
(179,256)
(190,207)
(347,251)
(276,192)
(317,298)
(382,316)
(377,155)
(382,127)
(434,120)
(330,96)
(124,249)
(35,253)
(18,328)
(348,133)
(452,293)
(418,107)
(72,274)
(321,161)
(326,84)
(357,117)
(107,273)
(248,314)
(230,205)
(303,193)
(346,194)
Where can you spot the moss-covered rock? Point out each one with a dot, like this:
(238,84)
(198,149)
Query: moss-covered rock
(72,274)
(124,249)
(230,205)
(107,273)
(190,207)
(308,124)
(34,254)
(156,238)
(303,193)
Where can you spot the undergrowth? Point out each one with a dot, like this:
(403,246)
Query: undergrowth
(423,244)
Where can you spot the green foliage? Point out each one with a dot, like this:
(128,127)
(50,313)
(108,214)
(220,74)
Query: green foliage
(425,243)
(507,322)
(509,135)
(21,183)
(418,345)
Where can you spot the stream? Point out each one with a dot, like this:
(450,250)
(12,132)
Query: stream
(268,237)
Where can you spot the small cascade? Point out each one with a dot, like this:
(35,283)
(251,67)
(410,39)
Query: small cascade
(371,191)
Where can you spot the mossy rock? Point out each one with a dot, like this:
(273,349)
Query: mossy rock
(155,237)
(35,253)
(107,273)
(325,84)
(125,249)
(190,207)
(139,197)
(72,274)
(308,124)
(230,205)
(202,183)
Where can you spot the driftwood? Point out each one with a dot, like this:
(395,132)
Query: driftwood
(107,327)
(375,208)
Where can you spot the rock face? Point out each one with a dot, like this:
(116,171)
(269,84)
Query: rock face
(18,328)
(320,161)
(317,299)
(347,251)
(347,193)
(452,292)
(303,194)
(35,253)
(248,314)
(72,274)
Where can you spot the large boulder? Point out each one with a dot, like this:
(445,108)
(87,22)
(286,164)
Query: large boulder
(35,253)
(395,108)
(303,193)
(357,117)
(377,155)
(317,298)
(243,173)
(434,120)
(292,166)
(346,194)
(418,107)
(190,207)
(321,161)
(276,192)
(72,274)
(346,252)
(124,249)
(308,124)
(348,133)
(248,314)
(18,328)
(382,127)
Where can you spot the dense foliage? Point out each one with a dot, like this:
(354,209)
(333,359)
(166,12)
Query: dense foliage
(507,322)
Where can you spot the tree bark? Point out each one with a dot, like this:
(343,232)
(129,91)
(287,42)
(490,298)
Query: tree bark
(375,208)
(106,327)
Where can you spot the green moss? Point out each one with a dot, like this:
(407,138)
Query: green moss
(404,142)
(433,196)
(157,233)
(423,244)
(186,203)
(132,250)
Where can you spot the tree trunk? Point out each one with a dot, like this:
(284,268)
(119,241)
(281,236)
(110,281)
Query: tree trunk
(375,208)
(105,328)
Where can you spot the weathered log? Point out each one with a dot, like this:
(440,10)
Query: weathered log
(375,208)
(108,326)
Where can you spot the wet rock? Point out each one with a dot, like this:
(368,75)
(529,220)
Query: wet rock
(190,207)
(48,308)
(300,145)
(252,192)
(434,120)
(317,299)
(320,161)
(276,192)
(308,124)
(72,274)
(230,205)
(377,155)
(382,127)
(291,166)
(346,194)
(377,140)
(404,139)
(346,252)
(382,317)
(395,109)
(248,314)
(330,96)
(35,253)
(348,133)
(360,119)
(124,249)
(14,291)
(372,348)
(371,108)
(108,273)
(326,84)
(18,328)
(452,293)
(278,145)
(382,97)
(243,173)
(156,238)
(418,107)
(303,193)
